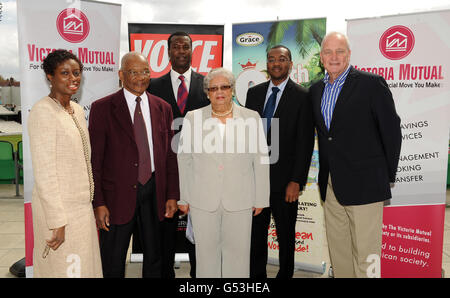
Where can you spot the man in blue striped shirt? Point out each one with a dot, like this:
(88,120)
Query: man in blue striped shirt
(359,146)
(331,92)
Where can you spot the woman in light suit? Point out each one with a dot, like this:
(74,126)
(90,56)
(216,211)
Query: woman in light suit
(224,178)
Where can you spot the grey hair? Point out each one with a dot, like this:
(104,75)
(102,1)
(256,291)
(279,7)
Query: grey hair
(127,56)
(335,33)
(218,72)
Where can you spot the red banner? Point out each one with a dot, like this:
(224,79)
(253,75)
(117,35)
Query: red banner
(151,41)
(412,243)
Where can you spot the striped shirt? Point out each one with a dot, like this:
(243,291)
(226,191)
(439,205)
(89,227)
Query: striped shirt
(330,95)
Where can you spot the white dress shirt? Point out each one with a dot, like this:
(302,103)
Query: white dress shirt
(145,108)
(269,92)
(176,81)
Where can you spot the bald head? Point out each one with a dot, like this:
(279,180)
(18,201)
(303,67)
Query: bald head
(335,35)
(135,73)
(335,54)
(136,56)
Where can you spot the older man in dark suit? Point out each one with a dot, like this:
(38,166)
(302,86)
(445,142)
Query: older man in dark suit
(287,110)
(359,147)
(135,170)
(182,88)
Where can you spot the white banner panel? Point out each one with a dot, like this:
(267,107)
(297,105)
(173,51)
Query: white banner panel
(90,30)
(411,53)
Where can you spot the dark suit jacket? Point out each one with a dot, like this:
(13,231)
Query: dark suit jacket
(362,147)
(162,87)
(115,156)
(296,133)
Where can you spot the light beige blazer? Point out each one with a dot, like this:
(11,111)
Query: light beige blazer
(232,170)
(61,195)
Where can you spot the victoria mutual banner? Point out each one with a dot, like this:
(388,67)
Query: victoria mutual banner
(90,30)
(411,53)
(251,42)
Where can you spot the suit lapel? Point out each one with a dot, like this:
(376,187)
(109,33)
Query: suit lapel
(156,119)
(262,98)
(213,133)
(122,113)
(193,87)
(155,116)
(316,102)
(283,100)
(232,137)
(168,87)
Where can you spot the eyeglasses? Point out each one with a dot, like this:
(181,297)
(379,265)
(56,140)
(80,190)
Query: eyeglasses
(134,73)
(222,88)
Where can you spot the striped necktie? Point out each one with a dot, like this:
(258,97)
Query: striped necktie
(140,135)
(182,95)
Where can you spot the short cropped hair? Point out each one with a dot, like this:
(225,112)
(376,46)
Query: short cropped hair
(282,47)
(218,72)
(178,33)
(57,57)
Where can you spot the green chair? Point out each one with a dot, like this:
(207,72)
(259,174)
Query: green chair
(7,165)
(20,160)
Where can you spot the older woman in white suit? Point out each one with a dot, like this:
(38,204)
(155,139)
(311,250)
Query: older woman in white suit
(224,178)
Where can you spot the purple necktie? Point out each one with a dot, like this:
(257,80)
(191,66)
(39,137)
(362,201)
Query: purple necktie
(182,95)
(140,135)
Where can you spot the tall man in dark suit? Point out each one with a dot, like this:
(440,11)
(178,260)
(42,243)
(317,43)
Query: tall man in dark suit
(285,106)
(135,170)
(359,147)
(182,88)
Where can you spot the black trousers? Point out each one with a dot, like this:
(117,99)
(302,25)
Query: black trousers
(168,241)
(285,216)
(114,244)
(191,251)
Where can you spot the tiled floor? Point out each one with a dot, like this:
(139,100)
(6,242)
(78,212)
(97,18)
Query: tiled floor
(12,240)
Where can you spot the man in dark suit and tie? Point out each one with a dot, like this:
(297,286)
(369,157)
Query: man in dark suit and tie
(182,88)
(135,170)
(359,147)
(287,110)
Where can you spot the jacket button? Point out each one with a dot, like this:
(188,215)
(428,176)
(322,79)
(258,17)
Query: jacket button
(134,186)
(330,138)
(135,164)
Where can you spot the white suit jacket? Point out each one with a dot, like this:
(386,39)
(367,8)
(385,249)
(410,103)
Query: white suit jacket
(232,170)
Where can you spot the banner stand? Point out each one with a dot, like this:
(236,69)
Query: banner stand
(411,52)
(77,26)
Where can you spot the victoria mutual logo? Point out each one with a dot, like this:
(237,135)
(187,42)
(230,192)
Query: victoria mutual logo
(396,42)
(72,25)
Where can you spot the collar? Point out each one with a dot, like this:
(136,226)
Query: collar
(131,98)
(174,75)
(281,86)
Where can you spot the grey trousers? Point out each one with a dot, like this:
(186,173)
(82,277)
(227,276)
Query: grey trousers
(222,242)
